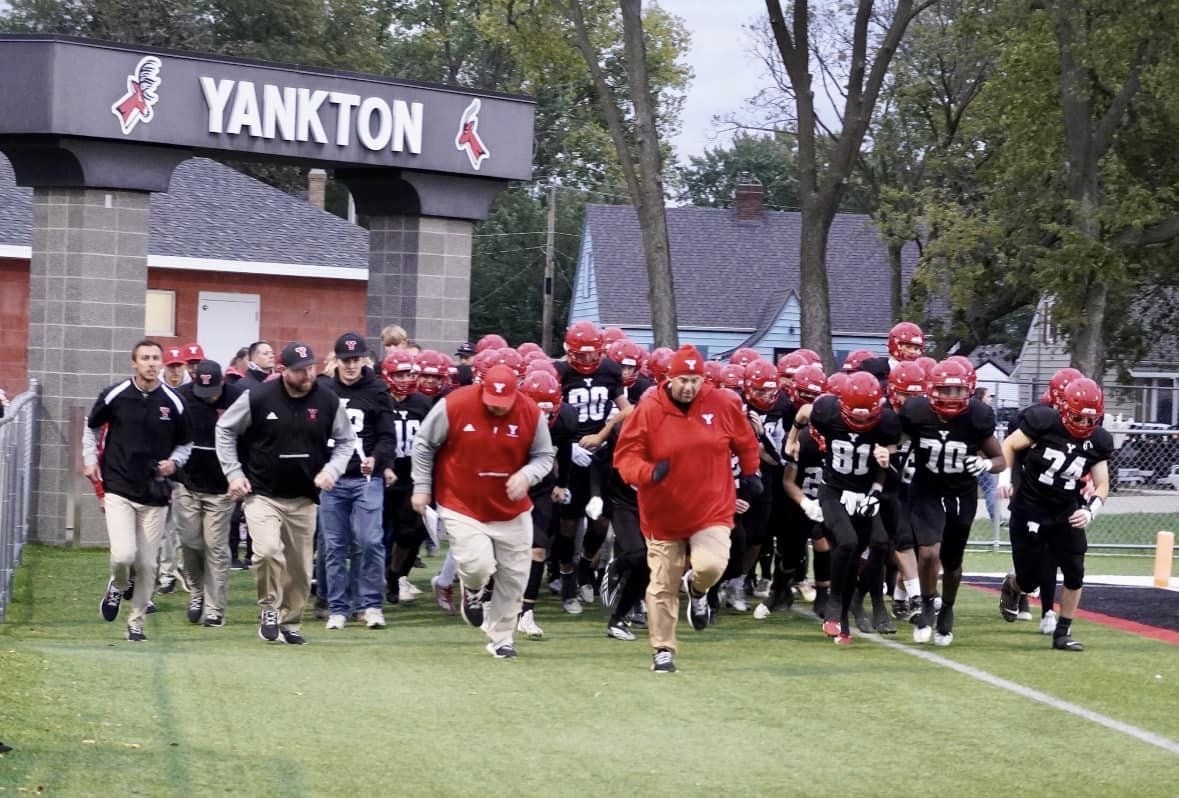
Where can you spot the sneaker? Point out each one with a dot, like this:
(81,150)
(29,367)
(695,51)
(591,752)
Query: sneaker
(336,621)
(586,594)
(526,624)
(619,631)
(843,639)
(167,585)
(151,608)
(196,607)
(663,661)
(443,595)
(506,651)
(735,595)
(807,592)
(696,608)
(214,621)
(761,611)
(135,633)
(572,606)
(882,621)
(473,606)
(860,614)
(638,618)
(763,588)
(831,627)
(1066,643)
(292,638)
(945,621)
(406,590)
(374,618)
(1009,599)
(268,626)
(239,565)
(922,634)
(108,608)
(1048,623)
(555,586)
(1025,610)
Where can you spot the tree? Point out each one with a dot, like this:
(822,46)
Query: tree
(822,183)
(710,180)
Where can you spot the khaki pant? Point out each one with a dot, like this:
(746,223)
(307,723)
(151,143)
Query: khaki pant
(169,553)
(134,531)
(283,531)
(202,520)
(710,557)
(502,549)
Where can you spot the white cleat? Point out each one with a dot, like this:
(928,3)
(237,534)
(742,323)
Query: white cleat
(943,640)
(336,622)
(922,634)
(763,588)
(406,590)
(526,624)
(735,595)
(571,606)
(806,591)
(1048,623)
(761,612)
(374,618)
(587,594)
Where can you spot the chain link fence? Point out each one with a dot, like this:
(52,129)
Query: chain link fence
(1144,470)
(18,432)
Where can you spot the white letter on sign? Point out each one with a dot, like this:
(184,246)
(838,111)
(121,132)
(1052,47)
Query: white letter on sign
(216,98)
(307,118)
(380,139)
(245,111)
(344,105)
(278,111)
(407,127)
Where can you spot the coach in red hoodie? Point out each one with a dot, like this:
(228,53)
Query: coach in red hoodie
(676,449)
(480,449)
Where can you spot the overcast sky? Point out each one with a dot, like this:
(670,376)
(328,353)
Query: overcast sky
(726,73)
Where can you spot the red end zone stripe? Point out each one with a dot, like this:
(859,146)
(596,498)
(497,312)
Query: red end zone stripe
(1111,621)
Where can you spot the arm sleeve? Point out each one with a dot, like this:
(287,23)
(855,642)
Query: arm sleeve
(540,454)
(631,457)
(564,460)
(426,443)
(99,415)
(344,438)
(233,423)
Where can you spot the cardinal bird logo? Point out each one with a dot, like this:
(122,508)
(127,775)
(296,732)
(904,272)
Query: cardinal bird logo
(136,105)
(468,136)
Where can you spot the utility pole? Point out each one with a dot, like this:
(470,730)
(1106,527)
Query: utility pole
(546,332)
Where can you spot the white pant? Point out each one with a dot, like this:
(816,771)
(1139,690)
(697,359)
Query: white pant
(134,531)
(502,549)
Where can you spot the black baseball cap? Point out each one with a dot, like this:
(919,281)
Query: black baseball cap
(206,383)
(465,349)
(351,345)
(297,355)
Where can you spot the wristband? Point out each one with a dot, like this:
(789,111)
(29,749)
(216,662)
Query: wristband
(1095,505)
(803,425)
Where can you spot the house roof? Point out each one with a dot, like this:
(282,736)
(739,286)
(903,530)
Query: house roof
(214,212)
(738,274)
(997,354)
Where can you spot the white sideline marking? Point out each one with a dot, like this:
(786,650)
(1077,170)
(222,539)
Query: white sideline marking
(1035,695)
(1115,581)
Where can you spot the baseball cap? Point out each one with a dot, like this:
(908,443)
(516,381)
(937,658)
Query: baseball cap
(297,355)
(350,345)
(687,360)
(207,380)
(465,349)
(499,386)
(193,352)
(173,356)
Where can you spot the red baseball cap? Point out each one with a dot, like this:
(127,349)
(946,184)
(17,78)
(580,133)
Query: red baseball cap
(499,386)
(193,352)
(173,356)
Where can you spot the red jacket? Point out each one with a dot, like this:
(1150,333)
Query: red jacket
(698,491)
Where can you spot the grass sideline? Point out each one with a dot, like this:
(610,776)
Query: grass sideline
(421,709)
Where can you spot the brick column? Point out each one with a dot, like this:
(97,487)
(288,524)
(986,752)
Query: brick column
(419,276)
(87,288)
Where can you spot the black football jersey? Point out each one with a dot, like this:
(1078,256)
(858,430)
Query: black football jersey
(592,395)
(901,468)
(408,415)
(940,446)
(776,421)
(848,463)
(1054,466)
(809,465)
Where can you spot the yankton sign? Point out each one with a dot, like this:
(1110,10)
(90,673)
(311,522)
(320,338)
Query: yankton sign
(78,89)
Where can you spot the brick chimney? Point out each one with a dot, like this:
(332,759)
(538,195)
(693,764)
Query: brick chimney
(749,196)
(316,187)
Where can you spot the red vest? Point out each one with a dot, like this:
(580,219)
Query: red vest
(471,469)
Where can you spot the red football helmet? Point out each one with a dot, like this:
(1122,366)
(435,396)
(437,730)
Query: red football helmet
(400,373)
(433,372)
(712,370)
(861,402)
(906,341)
(836,383)
(906,379)
(584,345)
(482,362)
(511,358)
(1059,382)
(540,364)
(1082,407)
(490,341)
(732,377)
(809,355)
(660,363)
(856,359)
(612,334)
(744,356)
(528,347)
(761,384)
(971,377)
(543,389)
(809,383)
(949,388)
(629,356)
(926,363)
(788,365)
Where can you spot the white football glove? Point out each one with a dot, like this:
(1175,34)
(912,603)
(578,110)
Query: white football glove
(850,500)
(813,510)
(581,455)
(976,464)
(593,508)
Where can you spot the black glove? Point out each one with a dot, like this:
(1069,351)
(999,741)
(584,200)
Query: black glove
(660,472)
(752,486)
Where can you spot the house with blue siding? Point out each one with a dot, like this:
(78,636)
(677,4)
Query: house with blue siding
(736,274)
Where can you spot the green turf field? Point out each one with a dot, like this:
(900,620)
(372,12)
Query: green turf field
(1137,529)
(418,709)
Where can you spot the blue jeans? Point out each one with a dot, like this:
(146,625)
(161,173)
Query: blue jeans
(350,526)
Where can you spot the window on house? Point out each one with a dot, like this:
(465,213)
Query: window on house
(159,316)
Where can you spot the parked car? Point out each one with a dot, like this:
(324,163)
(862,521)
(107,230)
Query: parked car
(1133,476)
(1171,480)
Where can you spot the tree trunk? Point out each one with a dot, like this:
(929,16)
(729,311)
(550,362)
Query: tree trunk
(896,290)
(814,292)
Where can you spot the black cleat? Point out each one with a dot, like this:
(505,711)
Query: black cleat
(214,621)
(135,633)
(472,606)
(1009,599)
(506,651)
(881,620)
(268,626)
(196,607)
(860,614)
(1066,643)
(292,638)
(663,661)
(166,586)
(111,601)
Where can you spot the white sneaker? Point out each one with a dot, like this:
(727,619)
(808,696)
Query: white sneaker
(806,591)
(406,590)
(374,618)
(763,588)
(761,611)
(922,634)
(336,622)
(587,594)
(571,606)
(735,595)
(527,625)
(1048,623)
(943,640)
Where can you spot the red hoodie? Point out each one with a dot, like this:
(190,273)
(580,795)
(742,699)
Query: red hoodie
(698,490)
